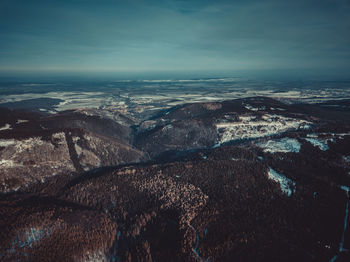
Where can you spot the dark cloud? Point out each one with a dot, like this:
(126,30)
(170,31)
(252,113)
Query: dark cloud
(141,35)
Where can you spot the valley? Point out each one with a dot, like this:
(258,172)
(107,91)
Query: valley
(246,179)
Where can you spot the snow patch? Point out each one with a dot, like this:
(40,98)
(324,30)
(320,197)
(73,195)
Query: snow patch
(20,121)
(333,259)
(75,139)
(6,127)
(33,235)
(250,127)
(6,163)
(195,248)
(167,127)
(286,184)
(345,188)
(312,135)
(28,144)
(320,143)
(78,149)
(283,145)
(346,159)
(7,142)
(95,256)
(28,238)
(339,135)
(59,137)
(251,108)
(341,245)
(247,118)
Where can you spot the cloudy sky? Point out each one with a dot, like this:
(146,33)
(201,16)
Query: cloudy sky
(310,36)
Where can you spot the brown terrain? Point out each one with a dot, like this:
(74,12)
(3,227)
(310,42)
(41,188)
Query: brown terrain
(35,147)
(242,180)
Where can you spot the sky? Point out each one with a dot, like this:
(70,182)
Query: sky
(299,37)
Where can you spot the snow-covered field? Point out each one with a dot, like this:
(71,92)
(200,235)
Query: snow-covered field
(250,126)
(283,145)
(33,158)
(70,100)
(144,95)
